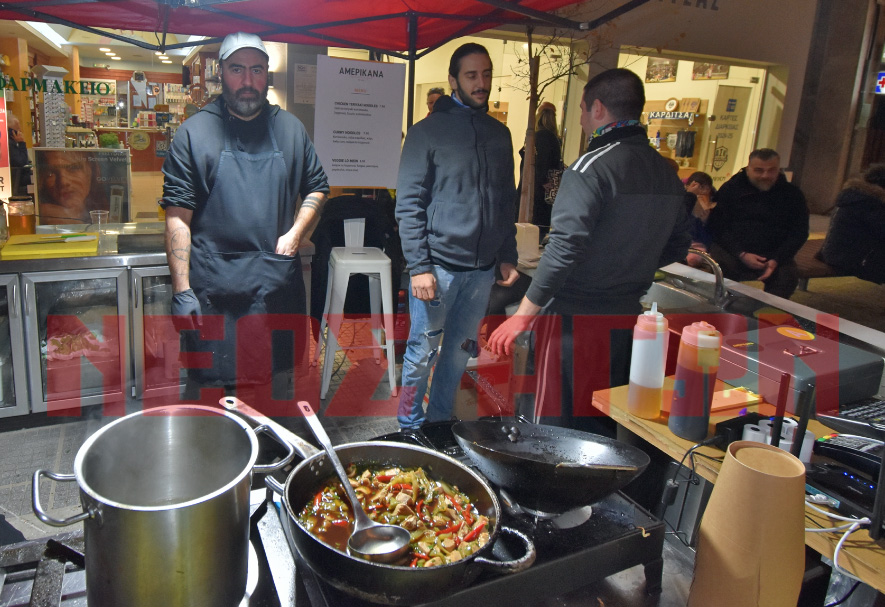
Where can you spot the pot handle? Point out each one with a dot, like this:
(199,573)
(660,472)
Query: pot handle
(38,508)
(511,566)
(290,448)
(274,485)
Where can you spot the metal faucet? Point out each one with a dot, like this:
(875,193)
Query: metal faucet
(720,294)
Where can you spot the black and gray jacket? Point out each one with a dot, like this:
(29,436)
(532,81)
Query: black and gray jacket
(855,242)
(620,214)
(455,191)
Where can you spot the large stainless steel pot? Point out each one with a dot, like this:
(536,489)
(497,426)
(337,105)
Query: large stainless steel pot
(165,495)
(391,584)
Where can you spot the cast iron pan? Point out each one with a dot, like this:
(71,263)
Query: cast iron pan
(548,468)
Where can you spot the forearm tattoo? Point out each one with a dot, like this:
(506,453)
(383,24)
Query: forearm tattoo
(313,201)
(180,249)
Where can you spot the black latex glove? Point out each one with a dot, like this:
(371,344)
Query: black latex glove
(186,311)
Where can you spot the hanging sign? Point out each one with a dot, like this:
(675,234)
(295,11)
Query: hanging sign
(880,83)
(358,123)
(727,130)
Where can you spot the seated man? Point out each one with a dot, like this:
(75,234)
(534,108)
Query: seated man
(758,224)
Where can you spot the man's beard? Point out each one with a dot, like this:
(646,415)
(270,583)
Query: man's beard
(470,101)
(243,107)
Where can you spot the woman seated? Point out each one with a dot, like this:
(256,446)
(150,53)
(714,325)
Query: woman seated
(855,243)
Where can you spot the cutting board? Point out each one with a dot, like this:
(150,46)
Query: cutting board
(17,248)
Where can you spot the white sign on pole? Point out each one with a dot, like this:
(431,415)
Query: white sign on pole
(358,121)
(305,84)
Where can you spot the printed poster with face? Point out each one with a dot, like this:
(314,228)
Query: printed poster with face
(358,121)
(71,182)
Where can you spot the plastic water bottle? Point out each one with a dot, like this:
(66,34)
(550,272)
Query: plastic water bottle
(696,367)
(646,389)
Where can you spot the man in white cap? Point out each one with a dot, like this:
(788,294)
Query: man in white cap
(233,177)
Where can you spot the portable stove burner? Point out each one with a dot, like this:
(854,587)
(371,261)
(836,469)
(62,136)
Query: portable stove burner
(561,520)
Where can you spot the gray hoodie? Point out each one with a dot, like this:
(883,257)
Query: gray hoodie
(455,192)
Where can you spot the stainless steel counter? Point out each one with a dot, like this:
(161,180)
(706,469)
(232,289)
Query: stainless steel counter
(108,257)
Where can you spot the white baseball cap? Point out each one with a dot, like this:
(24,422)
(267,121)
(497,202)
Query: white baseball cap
(239,40)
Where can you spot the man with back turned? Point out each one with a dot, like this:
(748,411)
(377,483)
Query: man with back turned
(620,214)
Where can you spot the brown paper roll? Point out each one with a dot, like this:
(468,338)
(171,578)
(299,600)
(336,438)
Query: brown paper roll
(751,547)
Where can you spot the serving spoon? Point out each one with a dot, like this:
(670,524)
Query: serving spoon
(369,540)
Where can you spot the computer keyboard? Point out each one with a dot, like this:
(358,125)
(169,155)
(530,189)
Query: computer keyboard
(867,410)
(865,417)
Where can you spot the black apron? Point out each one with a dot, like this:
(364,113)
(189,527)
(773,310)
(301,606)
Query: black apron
(235,272)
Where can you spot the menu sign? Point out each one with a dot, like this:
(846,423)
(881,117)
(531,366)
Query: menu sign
(358,122)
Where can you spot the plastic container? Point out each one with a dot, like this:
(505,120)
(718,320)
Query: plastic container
(696,368)
(646,389)
(22,219)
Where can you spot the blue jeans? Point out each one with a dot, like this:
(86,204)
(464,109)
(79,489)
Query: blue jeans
(453,316)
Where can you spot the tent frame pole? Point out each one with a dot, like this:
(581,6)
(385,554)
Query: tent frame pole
(413,44)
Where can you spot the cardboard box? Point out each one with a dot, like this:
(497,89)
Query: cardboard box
(840,373)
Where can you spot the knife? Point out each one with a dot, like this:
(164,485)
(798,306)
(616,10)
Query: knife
(71,235)
(68,239)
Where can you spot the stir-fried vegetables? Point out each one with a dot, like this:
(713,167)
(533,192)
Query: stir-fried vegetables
(444,525)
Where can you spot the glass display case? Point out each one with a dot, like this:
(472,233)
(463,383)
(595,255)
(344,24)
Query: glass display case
(77,336)
(13,377)
(155,342)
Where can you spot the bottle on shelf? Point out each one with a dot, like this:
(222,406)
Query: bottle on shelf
(696,367)
(646,388)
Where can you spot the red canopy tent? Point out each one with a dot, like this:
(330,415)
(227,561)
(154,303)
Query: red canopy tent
(394,27)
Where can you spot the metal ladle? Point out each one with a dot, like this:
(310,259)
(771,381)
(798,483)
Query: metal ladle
(370,540)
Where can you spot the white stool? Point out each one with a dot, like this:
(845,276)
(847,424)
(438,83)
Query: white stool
(343,263)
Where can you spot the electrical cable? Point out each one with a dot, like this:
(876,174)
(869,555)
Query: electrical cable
(671,487)
(853,524)
(846,597)
(704,443)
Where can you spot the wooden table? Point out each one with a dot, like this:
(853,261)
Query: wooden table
(860,555)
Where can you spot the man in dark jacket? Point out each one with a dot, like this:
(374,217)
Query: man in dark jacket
(455,195)
(19,162)
(759,224)
(232,180)
(620,214)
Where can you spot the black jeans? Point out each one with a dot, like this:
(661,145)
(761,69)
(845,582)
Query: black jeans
(782,282)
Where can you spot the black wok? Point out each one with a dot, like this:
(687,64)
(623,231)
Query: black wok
(547,468)
(392,584)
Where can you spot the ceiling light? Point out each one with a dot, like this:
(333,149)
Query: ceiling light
(116,59)
(166,61)
(163,57)
(157,53)
(110,54)
(104,49)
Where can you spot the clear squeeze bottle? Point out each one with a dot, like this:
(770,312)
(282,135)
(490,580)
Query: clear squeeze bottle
(696,368)
(646,389)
